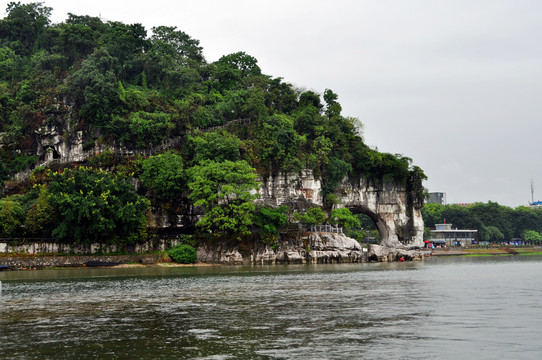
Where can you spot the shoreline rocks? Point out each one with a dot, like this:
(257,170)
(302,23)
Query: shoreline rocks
(307,248)
(304,248)
(387,254)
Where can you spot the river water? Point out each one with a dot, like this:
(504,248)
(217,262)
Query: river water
(447,308)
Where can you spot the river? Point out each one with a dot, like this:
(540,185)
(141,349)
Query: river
(447,308)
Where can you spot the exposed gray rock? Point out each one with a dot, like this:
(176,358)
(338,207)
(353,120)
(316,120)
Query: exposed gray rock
(333,241)
(398,222)
(264,256)
(386,254)
(221,254)
(387,205)
(293,256)
(311,248)
(331,247)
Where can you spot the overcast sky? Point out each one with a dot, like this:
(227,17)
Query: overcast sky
(455,85)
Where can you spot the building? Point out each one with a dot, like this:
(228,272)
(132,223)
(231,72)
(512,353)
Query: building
(437,198)
(444,234)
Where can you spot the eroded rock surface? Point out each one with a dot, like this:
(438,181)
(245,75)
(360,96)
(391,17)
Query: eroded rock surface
(399,223)
(386,254)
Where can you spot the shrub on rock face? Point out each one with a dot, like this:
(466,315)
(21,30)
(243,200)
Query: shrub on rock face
(183,254)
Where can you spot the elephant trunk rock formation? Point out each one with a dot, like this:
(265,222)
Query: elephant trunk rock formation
(399,220)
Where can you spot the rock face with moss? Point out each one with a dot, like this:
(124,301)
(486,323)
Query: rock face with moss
(317,248)
(399,221)
(165,139)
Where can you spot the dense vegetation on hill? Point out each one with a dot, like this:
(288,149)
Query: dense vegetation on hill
(119,85)
(494,222)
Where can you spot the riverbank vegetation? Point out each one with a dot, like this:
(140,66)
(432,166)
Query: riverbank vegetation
(106,85)
(495,223)
(488,251)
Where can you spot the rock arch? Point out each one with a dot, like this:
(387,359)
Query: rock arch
(377,219)
(400,224)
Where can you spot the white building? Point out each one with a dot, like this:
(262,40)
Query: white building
(444,234)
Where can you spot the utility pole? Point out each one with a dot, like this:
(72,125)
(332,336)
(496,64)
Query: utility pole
(532,191)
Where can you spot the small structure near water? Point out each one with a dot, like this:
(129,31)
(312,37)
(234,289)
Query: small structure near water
(445,235)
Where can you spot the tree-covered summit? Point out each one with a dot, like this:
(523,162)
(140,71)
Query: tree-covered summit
(120,85)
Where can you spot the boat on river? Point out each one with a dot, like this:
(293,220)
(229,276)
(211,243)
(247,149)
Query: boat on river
(101,263)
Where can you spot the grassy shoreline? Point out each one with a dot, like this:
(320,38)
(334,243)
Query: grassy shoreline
(502,251)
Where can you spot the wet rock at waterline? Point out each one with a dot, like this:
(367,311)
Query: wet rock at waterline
(308,248)
(385,254)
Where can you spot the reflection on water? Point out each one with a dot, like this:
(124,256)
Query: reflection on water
(443,308)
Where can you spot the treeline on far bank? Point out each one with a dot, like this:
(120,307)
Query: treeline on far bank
(494,222)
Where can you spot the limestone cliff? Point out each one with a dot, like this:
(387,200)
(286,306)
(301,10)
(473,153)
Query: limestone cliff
(307,248)
(398,220)
(400,224)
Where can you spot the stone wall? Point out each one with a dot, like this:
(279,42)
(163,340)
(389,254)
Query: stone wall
(48,246)
(38,262)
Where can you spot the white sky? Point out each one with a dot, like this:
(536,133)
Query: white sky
(456,85)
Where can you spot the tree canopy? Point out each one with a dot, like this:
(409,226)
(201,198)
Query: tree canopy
(494,222)
(226,191)
(106,85)
(91,205)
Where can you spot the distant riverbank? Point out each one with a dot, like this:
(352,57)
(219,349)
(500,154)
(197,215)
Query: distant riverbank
(35,262)
(489,251)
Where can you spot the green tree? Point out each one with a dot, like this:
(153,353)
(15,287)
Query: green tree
(524,218)
(39,219)
(333,108)
(183,254)
(493,233)
(8,62)
(493,214)
(532,237)
(277,144)
(344,217)
(94,205)
(280,97)
(310,98)
(164,174)
(95,88)
(246,65)
(334,173)
(217,146)
(23,26)
(309,122)
(11,217)
(177,44)
(78,37)
(229,70)
(427,234)
(225,190)
(269,220)
(145,128)
(313,216)
(124,42)
(322,147)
